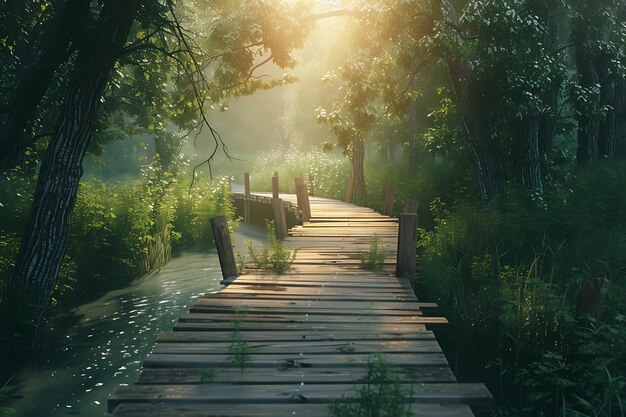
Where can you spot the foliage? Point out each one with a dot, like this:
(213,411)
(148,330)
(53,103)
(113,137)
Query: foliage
(274,256)
(119,231)
(508,278)
(375,256)
(379,394)
(208,375)
(239,350)
(329,170)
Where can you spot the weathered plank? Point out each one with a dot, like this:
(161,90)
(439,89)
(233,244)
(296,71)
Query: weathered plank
(287,375)
(471,394)
(161,409)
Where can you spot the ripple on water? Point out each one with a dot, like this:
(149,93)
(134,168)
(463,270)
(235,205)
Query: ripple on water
(103,342)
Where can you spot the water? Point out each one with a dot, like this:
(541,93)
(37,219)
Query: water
(113,336)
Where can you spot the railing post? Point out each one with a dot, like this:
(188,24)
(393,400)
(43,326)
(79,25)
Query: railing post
(302,196)
(280,221)
(350,190)
(275,185)
(389,196)
(407,242)
(246,197)
(410,206)
(224,248)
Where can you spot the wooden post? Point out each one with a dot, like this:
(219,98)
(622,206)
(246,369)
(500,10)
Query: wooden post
(280,221)
(391,192)
(312,185)
(275,186)
(302,196)
(410,206)
(407,242)
(224,248)
(246,197)
(350,190)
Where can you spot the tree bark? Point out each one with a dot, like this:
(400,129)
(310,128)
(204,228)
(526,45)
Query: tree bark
(44,242)
(467,100)
(530,163)
(611,96)
(38,79)
(588,126)
(357,159)
(547,118)
(412,154)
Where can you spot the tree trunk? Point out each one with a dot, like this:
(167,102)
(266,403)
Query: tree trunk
(547,118)
(46,236)
(357,158)
(530,163)
(588,126)
(412,154)
(37,80)
(466,98)
(610,98)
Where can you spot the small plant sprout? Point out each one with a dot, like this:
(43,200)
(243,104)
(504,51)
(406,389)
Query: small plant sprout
(208,375)
(375,256)
(381,393)
(274,256)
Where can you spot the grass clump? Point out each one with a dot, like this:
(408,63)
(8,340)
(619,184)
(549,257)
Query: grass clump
(374,258)
(274,256)
(382,393)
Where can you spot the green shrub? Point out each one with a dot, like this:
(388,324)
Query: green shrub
(274,256)
(508,278)
(381,394)
(374,258)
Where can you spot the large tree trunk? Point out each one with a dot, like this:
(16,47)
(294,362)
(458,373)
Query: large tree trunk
(37,80)
(467,100)
(530,162)
(357,158)
(46,236)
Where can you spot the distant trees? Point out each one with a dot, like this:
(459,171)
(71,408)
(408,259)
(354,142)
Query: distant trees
(516,76)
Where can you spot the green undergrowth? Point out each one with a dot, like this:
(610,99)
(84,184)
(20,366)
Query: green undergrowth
(508,278)
(374,258)
(274,256)
(119,231)
(381,393)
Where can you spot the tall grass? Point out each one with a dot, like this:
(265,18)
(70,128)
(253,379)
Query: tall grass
(508,277)
(119,231)
(330,171)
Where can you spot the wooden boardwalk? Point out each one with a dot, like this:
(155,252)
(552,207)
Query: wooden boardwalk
(310,331)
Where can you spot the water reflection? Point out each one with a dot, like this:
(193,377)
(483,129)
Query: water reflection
(113,335)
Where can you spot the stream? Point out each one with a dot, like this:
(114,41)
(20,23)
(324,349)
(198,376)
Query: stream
(114,334)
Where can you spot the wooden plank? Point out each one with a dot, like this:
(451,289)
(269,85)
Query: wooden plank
(284,375)
(235,303)
(289,359)
(287,336)
(301,326)
(306,346)
(471,394)
(292,318)
(159,409)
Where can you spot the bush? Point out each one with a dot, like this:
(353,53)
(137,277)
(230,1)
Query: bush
(508,277)
(274,256)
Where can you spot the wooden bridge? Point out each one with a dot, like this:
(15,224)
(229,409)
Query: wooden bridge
(310,334)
